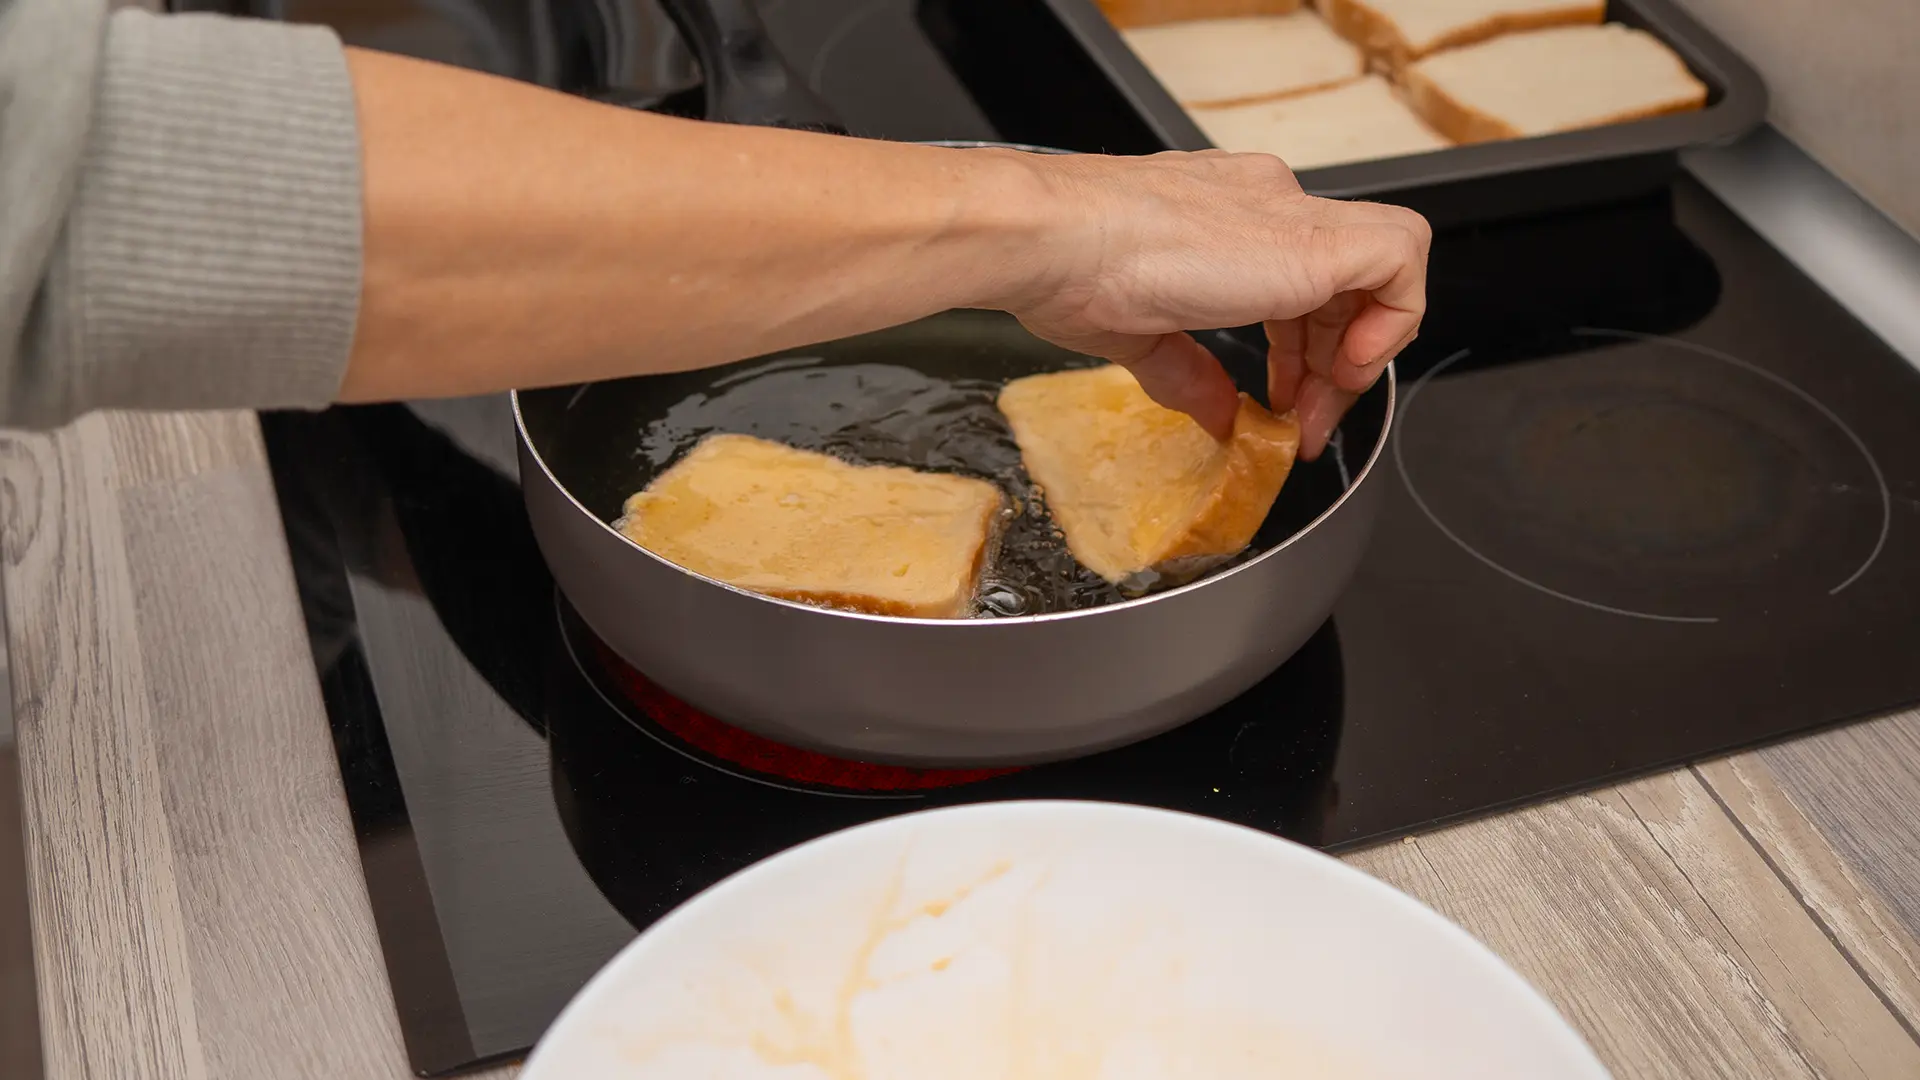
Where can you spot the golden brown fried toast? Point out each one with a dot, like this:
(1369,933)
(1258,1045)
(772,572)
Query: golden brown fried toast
(1137,487)
(809,527)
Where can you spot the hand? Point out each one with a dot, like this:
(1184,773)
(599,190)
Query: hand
(1176,242)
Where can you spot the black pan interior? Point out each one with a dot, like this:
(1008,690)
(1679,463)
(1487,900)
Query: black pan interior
(919,395)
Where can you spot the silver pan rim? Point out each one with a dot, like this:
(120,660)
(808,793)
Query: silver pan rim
(1373,464)
(988,144)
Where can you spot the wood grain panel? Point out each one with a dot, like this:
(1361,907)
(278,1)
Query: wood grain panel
(111,956)
(278,926)
(198,905)
(1660,933)
(1812,985)
(1838,817)
(1861,786)
(19,1014)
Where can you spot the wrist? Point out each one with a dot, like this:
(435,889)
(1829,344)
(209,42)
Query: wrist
(1033,235)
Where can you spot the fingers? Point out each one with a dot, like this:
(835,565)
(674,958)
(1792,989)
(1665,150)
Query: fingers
(1309,343)
(1357,377)
(1179,373)
(1318,344)
(1374,336)
(1334,379)
(1175,371)
(1286,361)
(1349,341)
(1387,261)
(1328,326)
(1214,240)
(1320,408)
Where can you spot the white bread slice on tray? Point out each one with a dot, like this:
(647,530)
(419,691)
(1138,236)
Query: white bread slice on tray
(1138,488)
(1545,81)
(1362,120)
(1400,31)
(1248,58)
(1126,13)
(798,525)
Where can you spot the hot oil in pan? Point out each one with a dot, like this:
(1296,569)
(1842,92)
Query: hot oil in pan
(885,414)
(882,414)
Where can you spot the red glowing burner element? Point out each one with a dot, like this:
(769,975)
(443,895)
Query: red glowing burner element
(761,755)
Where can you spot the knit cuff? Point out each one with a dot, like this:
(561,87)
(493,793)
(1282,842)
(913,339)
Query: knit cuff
(212,252)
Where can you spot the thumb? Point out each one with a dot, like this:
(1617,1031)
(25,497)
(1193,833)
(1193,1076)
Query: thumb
(1175,370)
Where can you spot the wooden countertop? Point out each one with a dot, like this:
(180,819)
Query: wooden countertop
(199,910)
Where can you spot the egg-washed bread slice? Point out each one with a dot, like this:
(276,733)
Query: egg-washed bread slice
(1126,13)
(1400,31)
(803,526)
(1137,487)
(1247,58)
(1360,121)
(1551,80)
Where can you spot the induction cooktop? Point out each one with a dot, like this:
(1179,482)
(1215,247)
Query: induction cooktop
(1652,496)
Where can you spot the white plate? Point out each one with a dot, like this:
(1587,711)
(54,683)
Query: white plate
(1056,941)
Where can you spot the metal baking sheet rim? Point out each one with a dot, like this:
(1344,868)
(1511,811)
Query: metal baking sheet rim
(1737,105)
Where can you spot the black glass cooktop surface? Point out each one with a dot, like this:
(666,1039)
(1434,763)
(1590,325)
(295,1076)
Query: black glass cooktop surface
(1651,496)
(1647,503)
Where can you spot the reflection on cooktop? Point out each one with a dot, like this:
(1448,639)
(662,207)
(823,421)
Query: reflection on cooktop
(700,738)
(627,758)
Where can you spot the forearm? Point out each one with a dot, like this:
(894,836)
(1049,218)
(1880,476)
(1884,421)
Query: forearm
(213,213)
(516,236)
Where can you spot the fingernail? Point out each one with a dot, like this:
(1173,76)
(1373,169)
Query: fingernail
(1311,444)
(1312,438)
(1361,378)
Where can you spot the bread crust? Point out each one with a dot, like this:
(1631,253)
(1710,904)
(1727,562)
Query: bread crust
(1463,123)
(1203,62)
(1453,119)
(1228,129)
(1261,99)
(1381,37)
(1260,455)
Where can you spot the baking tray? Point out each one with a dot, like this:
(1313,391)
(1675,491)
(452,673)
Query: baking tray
(1057,73)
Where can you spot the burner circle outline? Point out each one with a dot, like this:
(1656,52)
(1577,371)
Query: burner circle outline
(1873,464)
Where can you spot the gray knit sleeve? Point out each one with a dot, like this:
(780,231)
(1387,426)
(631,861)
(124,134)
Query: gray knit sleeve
(182,222)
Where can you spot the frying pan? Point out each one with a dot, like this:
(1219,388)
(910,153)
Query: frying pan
(1047,678)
